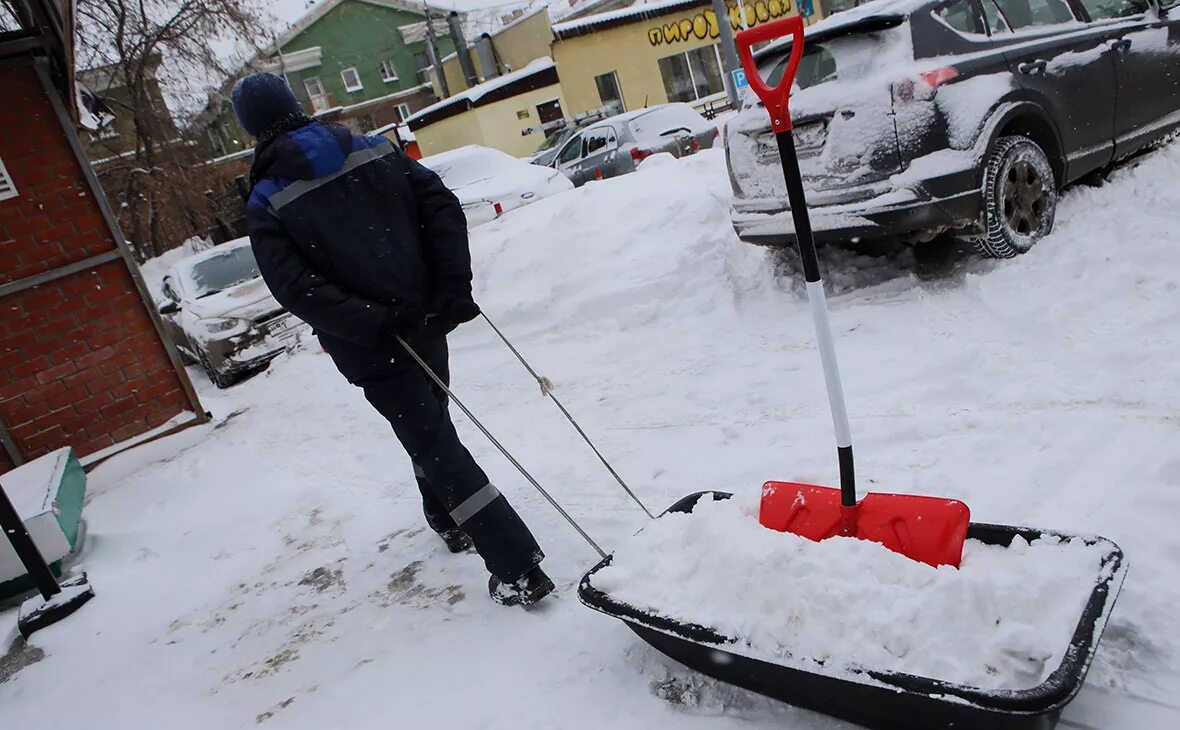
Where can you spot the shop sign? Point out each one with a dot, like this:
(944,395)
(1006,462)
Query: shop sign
(704,24)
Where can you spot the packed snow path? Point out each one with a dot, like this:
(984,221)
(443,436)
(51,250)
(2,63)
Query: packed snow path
(272,568)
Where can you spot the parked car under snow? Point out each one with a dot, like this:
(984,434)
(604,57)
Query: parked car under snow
(219,313)
(617,145)
(918,117)
(490,183)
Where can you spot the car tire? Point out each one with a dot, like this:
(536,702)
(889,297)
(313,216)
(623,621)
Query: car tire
(220,379)
(1019,198)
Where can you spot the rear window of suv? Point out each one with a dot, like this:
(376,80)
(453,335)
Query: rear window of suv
(817,66)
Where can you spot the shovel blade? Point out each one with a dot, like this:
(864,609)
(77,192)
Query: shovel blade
(930,530)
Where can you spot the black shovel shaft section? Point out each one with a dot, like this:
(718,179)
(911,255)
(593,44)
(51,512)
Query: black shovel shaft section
(26,549)
(803,237)
(819,313)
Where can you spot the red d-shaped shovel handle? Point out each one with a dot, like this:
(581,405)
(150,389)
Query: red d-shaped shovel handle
(775,98)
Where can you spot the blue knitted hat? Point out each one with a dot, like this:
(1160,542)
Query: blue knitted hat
(262,99)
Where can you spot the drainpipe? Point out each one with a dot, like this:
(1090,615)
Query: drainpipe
(432,52)
(462,50)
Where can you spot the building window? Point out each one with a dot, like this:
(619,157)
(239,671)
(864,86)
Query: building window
(351,79)
(403,111)
(422,62)
(388,72)
(692,75)
(609,92)
(315,92)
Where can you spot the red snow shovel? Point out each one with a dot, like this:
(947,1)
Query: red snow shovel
(927,529)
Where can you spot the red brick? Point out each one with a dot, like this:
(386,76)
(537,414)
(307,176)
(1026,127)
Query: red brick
(106,383)
(93,403)
(56,372)
(69,353)
(29,368)
(98,443)
(45,440)
(129,431)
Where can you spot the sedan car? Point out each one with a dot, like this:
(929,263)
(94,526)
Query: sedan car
(914,118)
(489,183)
(219,313)
(617,145)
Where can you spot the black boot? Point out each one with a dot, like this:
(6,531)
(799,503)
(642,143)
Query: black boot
(534,586)
(457,541)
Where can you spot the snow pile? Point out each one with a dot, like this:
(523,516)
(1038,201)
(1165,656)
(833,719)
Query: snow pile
(1004,620)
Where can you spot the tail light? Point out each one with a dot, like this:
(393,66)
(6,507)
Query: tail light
(926,85)
(598,173)
(639,155)
(695,145)
(499,209)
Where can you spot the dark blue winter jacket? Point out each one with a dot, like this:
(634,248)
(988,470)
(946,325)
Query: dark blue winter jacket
(350,236)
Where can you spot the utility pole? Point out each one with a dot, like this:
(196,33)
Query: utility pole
(729,59)
(432,51)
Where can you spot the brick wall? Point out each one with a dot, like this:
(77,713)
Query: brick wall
(80,361)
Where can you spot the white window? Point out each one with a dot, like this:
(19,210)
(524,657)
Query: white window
(7,188)
(403,111)
(388,71)
(352,80)
(315,92)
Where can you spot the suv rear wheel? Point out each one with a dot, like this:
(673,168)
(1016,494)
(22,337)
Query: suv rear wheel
(1019,198)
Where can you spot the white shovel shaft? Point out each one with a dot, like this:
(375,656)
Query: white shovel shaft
(827,355)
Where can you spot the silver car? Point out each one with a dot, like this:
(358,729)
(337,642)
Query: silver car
(219,313)
(617,145)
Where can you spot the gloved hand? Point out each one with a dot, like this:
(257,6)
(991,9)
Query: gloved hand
(403,320)
(459,311)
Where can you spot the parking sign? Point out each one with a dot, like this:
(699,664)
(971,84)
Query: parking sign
(739,78)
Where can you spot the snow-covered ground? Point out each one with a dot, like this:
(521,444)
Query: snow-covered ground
(272,568)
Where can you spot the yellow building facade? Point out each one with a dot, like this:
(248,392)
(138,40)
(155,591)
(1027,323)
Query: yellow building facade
(623,60)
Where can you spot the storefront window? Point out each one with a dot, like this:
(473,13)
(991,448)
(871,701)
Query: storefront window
(692,75)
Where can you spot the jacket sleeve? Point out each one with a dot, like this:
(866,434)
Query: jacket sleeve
(444,238)
(308,294)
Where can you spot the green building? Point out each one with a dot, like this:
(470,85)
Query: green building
(363,63)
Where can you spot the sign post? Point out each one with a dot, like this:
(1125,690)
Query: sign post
(729,59)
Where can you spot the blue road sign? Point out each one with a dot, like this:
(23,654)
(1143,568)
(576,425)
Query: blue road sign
(739,78)
(806,9)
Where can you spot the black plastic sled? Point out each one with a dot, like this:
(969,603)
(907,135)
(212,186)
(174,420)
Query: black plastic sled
(885,700)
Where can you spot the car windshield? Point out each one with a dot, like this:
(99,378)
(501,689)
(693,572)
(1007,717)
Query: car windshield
(554,140)
(466,167)
(222,270)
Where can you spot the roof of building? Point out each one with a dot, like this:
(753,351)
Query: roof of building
(537,74)
(321,9)
(601,21)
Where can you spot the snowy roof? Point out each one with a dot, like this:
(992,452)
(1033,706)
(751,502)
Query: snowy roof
(471,97)
(638,12)
(321,9)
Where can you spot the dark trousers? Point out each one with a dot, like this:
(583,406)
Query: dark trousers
(455,491)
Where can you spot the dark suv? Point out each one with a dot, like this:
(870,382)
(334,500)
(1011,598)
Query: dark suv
(918,117)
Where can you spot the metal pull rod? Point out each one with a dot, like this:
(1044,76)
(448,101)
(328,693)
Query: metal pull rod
(438,381)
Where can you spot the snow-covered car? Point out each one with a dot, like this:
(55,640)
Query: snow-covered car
(219,313)
(913,118)
(490,183)
(617,145)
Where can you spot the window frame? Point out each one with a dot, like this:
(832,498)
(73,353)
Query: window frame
(610,141)
(1088,18)
(1075,11)
(359,84)
(389,65)
(580,140)
(983,30)
(692,81)
(403,111)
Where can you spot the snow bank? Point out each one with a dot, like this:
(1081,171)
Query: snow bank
(1004,620)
